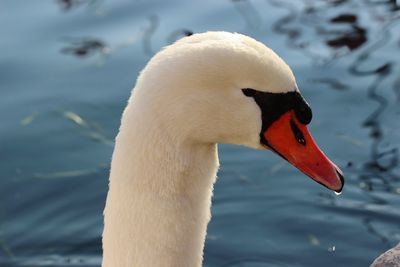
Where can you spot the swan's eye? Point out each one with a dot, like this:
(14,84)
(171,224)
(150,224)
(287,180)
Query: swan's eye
(249,92)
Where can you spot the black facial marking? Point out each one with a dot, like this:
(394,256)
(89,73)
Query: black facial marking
(302,109)
(274,105)
(249,92)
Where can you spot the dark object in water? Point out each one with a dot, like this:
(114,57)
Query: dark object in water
(352,40)
(333,83)
(67,4)
(178,34)
(337,2)
(349,164)
(344,18)
(84,47)
(187,32)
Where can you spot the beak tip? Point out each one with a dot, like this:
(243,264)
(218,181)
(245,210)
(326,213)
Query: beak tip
(340,174)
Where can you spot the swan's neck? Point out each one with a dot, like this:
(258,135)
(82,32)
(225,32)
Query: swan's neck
(159,199)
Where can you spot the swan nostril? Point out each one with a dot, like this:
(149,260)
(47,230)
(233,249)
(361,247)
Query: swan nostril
(297,133)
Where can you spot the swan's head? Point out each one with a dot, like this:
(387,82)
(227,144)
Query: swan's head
(219,87)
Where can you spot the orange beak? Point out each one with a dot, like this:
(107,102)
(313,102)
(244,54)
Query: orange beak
(292,140)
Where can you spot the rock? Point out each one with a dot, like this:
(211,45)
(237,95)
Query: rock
(390,258)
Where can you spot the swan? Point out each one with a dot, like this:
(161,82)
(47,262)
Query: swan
(205,89)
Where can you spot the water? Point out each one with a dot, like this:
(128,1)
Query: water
(66,70)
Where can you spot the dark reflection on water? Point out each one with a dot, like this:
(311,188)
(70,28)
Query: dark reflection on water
(68,5)
(351,39)
(151,30)
(249,13)
(61,104)
(177,34)
(148,33)
(84,47)
(384,161)
(333,83)
(344,18)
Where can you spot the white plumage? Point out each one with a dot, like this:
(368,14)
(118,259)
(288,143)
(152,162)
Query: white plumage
(186,100)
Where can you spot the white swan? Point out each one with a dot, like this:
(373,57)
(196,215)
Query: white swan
(209,88)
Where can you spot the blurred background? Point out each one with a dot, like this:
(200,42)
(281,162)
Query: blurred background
(67,68)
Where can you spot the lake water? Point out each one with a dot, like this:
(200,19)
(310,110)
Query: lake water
(67,68)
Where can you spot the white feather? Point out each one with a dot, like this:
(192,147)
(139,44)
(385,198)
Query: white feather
(186,100)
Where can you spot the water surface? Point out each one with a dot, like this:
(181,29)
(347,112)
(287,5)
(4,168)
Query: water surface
(66,71)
